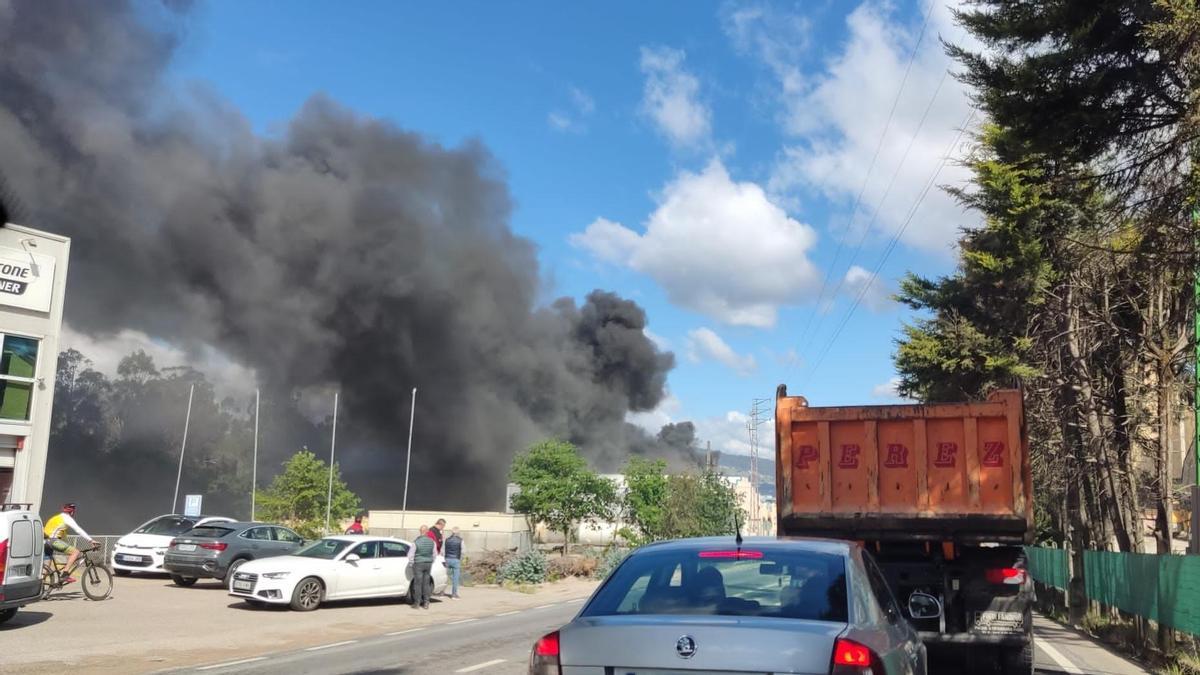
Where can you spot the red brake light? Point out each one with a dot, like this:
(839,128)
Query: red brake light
(733,555)
(547,646)
(215,546)
(1006,575)
(172,544)
(850,653)
(3,558)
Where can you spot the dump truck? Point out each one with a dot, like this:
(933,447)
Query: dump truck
(940,494)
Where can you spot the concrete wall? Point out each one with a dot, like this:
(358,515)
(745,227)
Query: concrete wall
(480,530)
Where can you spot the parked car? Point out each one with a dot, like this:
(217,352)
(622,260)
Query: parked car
(143,549)
(351,566)
(214,550)
(759,605)
(20,558)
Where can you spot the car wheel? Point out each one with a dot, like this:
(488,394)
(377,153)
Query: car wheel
(308,594)
(6,614)
(121,573)
(183,581)
(233,568)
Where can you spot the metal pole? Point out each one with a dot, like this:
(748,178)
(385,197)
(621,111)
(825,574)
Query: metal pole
(412,415)
(1194,544)
(254,468)
(332,446)
(183,448)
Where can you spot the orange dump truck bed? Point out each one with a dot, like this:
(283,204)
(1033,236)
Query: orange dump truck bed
(949,472)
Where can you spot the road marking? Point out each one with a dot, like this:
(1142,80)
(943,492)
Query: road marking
(544,606)
(515,611)
(232,663)
(571,602)
(455,623)
(479,666)
(1057,656)
(336,644)
(402,632)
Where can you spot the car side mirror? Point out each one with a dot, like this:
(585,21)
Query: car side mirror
(924,606)
(352,558)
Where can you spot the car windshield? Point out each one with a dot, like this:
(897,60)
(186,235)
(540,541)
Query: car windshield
(785,584)
(327,549)
(168,525)
(209,531)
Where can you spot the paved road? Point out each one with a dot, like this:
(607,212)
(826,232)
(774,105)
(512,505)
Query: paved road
(499,645)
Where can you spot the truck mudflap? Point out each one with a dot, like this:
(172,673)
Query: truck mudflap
(1004,620)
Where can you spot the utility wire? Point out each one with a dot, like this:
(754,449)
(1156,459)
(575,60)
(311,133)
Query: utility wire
(866,178)
(888,250)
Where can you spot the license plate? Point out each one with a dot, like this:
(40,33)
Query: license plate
(242,585)
(185,547)
(129,558)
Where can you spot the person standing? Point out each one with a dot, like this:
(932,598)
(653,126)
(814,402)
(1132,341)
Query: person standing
(424,551)
(356,527)
(436,532)
(454,560)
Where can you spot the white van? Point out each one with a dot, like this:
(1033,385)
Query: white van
(21,544)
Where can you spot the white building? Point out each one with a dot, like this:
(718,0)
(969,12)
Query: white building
(33,277)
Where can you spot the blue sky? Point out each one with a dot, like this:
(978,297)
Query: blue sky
(703,159)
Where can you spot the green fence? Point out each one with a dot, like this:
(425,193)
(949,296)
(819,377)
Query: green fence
(1162,588)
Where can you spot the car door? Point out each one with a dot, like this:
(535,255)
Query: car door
(393,559)
(258,542)
(905,653)
(286,541)
(361,577)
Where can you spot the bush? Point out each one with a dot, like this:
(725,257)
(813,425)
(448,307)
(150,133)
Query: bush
(529,567)
(485,567)
(572,566)
(609,561)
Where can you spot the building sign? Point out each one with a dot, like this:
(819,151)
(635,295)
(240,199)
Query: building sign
(191,505)
(26,279)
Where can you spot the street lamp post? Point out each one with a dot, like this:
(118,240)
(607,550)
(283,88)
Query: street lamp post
(412,415)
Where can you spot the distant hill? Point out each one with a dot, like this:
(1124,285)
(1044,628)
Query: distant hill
(739,465)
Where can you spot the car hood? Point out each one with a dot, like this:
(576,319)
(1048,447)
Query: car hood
(287,563)
(145,540)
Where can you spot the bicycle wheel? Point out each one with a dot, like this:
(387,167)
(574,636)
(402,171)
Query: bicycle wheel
(49,580)
(97,582)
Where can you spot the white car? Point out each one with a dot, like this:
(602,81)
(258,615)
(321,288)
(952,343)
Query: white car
(143,549)
(344,567)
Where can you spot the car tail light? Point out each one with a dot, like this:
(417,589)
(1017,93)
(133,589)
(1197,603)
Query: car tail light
(545,657)
(733,555)
(851,658)
(3,559)
(215,546)
(172,544)
(1006,575)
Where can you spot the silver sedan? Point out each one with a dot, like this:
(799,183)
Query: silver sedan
(714,605)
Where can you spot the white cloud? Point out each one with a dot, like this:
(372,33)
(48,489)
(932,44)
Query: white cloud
(229,378)
(874,291)
(575,120)
(888,391)
(659,341)
(727,433)
(705,345)
(653,420)
(775,37)
(837,118)
(671,98)
(717,247)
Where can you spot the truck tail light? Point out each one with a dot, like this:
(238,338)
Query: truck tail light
(215,546)
(1006,575)
(3,559)
(851,658)
(545,657)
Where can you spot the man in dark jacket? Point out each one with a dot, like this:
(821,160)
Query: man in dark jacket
(424,551)
(454,545)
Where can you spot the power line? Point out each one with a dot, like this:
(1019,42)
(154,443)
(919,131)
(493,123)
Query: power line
(890,247)
(866,177)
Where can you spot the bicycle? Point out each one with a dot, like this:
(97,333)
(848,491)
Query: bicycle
(96,581)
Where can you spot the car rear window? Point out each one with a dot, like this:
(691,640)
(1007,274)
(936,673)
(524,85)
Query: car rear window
(170,525)
(209,531)
(791,584)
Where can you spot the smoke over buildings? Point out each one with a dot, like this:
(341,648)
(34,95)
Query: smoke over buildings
(343,253)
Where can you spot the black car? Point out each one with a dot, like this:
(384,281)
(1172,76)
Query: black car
(216,550)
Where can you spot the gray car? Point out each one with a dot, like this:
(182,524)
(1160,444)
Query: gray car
(712,605)
(217,550)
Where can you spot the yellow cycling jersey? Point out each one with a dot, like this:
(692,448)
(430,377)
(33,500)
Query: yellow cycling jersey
(56,527)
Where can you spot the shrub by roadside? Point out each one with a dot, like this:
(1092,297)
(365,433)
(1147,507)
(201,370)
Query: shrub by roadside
(529,567)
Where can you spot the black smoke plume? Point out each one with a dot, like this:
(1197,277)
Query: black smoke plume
(343,253)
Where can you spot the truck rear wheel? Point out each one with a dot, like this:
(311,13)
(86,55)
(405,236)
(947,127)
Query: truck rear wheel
(6,614)
(1017,660)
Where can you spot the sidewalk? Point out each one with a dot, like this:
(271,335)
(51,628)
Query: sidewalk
(149,624)
(1062,649)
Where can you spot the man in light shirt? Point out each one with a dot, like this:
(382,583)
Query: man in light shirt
(56,534)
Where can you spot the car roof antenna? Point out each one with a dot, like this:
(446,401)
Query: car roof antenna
(737,528)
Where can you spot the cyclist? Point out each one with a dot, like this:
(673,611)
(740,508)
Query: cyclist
(56,535)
